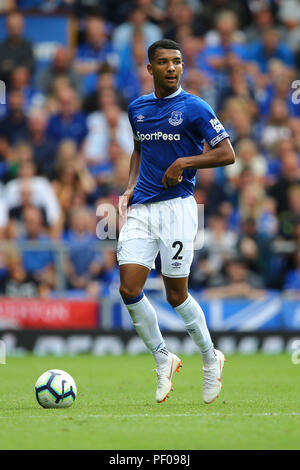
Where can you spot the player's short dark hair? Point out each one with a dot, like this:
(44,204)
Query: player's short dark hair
(162,44)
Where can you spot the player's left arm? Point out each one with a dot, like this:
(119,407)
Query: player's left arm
(221,155)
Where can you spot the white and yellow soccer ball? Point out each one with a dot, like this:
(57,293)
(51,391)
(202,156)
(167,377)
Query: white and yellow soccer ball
(55,389)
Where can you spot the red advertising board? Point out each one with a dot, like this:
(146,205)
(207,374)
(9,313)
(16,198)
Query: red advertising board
(48,314)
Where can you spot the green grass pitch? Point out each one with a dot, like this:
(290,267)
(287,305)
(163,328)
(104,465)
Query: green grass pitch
(259,406)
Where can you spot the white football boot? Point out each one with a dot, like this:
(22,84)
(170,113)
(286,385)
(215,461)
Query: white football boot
(212,379)
(165,373)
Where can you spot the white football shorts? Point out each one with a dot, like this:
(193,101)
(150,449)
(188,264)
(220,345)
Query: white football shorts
(168,227)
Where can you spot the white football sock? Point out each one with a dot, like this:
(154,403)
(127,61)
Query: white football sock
(195,323)
(144,319)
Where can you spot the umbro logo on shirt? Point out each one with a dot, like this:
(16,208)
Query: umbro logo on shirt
(140,118)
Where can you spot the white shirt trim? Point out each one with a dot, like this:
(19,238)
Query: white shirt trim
(179,90)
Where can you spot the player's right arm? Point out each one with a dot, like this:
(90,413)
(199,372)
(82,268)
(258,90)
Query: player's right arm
(133,177)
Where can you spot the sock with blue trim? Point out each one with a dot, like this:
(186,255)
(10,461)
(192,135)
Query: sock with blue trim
(144,319)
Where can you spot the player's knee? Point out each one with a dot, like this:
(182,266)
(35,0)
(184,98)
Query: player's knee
(129,292)
(176,298)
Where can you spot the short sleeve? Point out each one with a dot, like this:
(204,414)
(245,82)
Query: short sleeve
(130,117)
(207,124)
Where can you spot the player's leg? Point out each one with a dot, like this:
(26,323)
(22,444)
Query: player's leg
(144,319)
(143,315)
(194,319)
(136,257)
(176,257)
(191,314)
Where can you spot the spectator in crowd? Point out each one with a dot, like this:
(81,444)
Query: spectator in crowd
(278,85)
(219,245)
(15,281)
(183,22)
(15,50)
(105,85)
(276,127)
(218,60)
(44,148)
(94,51)
(111,124)
(267,222)
(85,263)
(212,8)
(132,59)
(69,122)
(196,82)
(191,46)
(263,20)
(289,176)
(61,67)
(254,245)
(154,10)
(41,191)
(239,86)
(247,156)
(20,153)
(239,114)
(13,126)
(21,80)
(146,82)
(16,225)
(109,175)
(120,170)
(210,193)
(251,199)
(72,177)
(122,35)
(7,6)
(39,264)
(289,15)
(238,281)
(270,47)
(292,277)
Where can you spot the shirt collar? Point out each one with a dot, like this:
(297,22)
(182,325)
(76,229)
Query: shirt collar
(179,90)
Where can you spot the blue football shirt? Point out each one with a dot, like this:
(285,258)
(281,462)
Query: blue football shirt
(169,128)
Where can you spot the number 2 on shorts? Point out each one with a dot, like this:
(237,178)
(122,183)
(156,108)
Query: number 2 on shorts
(175,244)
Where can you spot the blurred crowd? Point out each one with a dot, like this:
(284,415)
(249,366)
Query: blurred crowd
(65,139)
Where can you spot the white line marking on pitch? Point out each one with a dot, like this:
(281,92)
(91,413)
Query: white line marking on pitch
(147,415)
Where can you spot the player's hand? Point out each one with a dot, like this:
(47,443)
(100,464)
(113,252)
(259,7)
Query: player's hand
(173,174)
(124,201)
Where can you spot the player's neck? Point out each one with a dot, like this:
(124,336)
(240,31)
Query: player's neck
(163,93)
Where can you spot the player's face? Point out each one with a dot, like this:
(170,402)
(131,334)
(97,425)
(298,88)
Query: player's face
(166,69)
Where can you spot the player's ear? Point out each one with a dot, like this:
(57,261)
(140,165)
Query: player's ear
(149,68)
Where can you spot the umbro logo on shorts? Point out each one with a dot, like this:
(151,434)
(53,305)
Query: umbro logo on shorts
(176,264)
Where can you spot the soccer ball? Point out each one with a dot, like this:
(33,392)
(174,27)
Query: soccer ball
(55,389)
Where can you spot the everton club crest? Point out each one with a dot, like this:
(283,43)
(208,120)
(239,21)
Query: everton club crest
(176,118)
